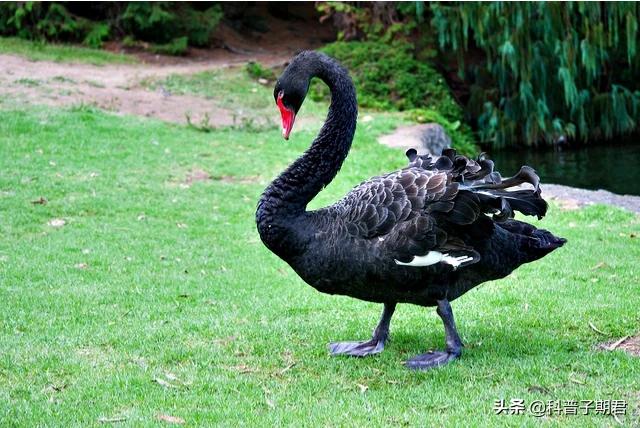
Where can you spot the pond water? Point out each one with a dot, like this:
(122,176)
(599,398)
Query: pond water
(614,168)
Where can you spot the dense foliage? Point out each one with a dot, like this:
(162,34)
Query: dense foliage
(389,77)
(170,27)
(547,69)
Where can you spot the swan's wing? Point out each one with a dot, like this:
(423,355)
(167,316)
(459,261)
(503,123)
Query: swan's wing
(419,214)
(380,204)
(402,215)
(478,176)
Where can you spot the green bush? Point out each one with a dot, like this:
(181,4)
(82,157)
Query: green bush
(389,77)
(199,26)
(167,26)
(39,21)
(165,22)
(256,71)
(175,47)
(97,35)
(150,21)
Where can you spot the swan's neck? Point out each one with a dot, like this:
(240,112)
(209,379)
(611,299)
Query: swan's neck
(284,202)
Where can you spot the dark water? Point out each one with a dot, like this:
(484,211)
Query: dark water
(613,168)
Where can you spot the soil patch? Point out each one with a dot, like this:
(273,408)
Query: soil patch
(119,88)
(630,345)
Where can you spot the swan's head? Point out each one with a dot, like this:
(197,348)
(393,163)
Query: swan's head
(290,91)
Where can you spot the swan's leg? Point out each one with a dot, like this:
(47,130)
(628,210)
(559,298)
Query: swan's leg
(370,347)
(454,344)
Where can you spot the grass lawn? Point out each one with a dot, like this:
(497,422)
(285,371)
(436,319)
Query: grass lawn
(60,53)
(157,300)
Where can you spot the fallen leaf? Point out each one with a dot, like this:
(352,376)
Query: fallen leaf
(57,222)
(363,388)
(617,343)
(579,382)
(81,266)
(224,341)
(594,328)
(287,368)
(197,175)
(112,420)
(40,201)
(56,388)
(538,388)
(171,419)
(164,383)
(242,368)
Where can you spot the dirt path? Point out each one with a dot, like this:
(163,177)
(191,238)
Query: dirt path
(115,88)
(119,88)
(574,198)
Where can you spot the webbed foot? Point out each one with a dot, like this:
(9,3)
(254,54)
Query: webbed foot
(371,347)
(454,344)
(431,360)
(357,349)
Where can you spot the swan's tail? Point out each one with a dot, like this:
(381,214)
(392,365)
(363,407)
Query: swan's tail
(498,196)
(534,243)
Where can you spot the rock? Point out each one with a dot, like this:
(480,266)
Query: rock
(427,138)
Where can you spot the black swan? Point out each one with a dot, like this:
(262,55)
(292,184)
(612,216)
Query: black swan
(425,234)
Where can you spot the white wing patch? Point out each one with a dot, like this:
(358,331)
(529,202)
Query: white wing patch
(433,257)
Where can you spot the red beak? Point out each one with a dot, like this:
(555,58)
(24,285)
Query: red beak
(288,116)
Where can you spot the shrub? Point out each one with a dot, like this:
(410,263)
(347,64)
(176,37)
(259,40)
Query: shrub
(256,70)
(97,35)
(39,21)
(389,77)
(165,25)
(175,47)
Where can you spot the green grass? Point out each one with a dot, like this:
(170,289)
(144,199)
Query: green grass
(37,51)
(157,298)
